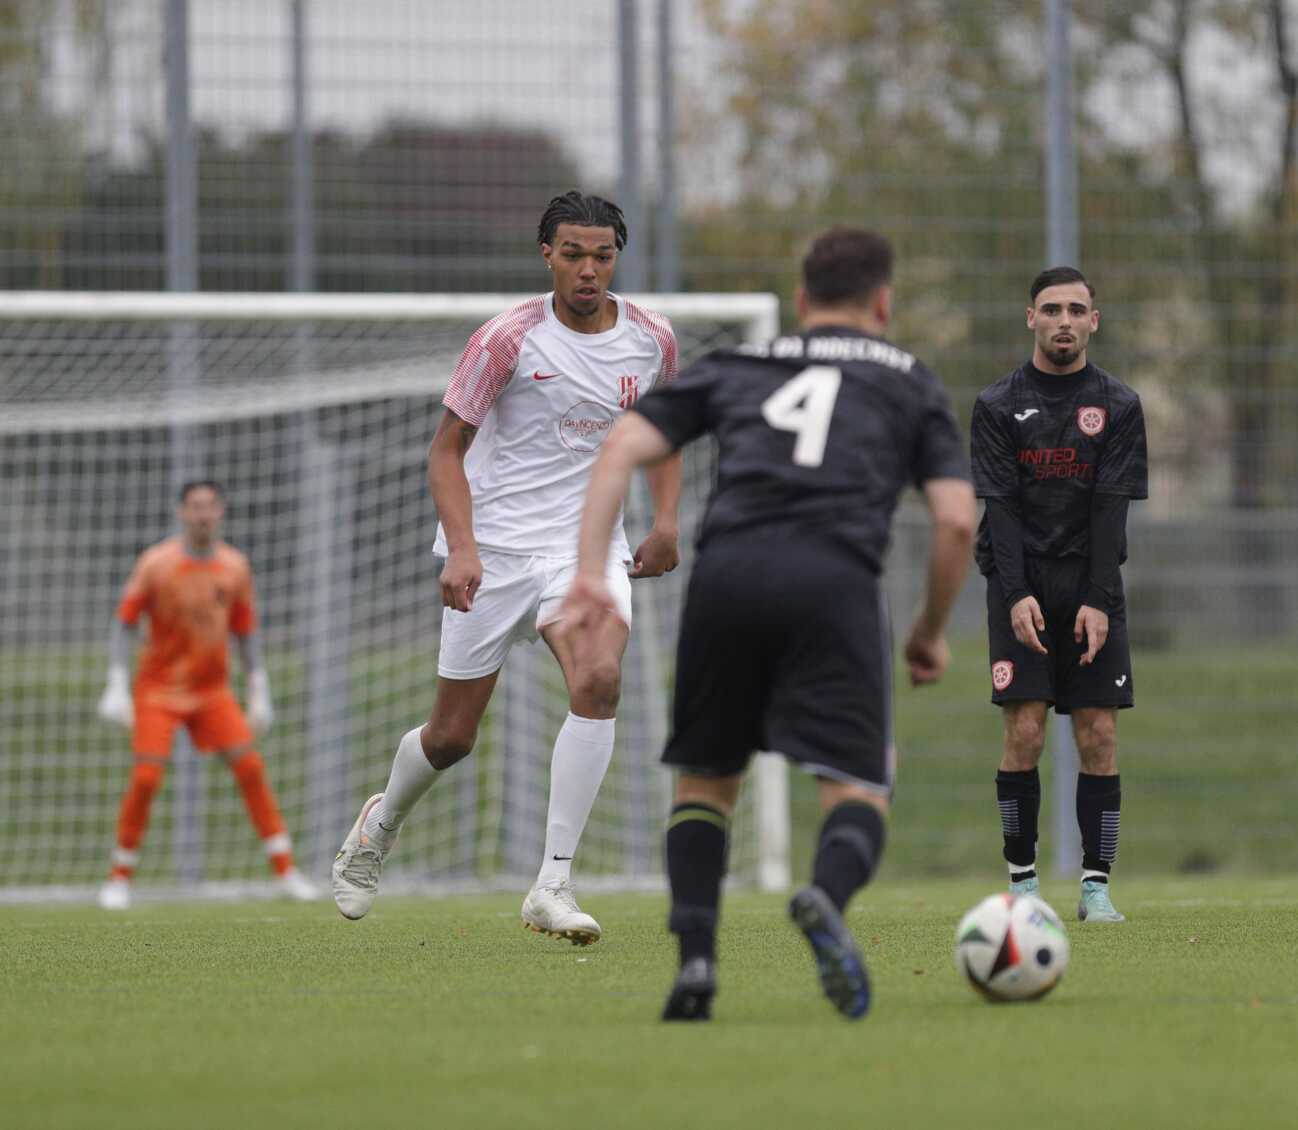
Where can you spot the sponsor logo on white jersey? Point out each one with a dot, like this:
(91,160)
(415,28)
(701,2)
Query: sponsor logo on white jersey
(584,426)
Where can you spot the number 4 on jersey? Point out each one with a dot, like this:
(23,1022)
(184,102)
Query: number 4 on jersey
(803,405)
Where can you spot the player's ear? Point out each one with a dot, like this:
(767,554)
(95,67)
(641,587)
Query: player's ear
(1032,317)
(546,252)
(1095,320)
(882,304)
(800,302)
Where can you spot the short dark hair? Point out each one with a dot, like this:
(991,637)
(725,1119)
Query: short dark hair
(1058,276)
(202,484)
(585,211)
(846,264)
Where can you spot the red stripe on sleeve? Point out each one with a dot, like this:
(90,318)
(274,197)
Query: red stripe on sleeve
(660,329)
(488,361)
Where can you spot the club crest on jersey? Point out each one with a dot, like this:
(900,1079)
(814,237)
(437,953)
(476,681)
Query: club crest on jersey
(628,391)
(1002,674)
(1091,420)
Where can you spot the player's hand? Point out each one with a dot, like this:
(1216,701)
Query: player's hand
(926,656)
(115,703)
(659,553)
(1094,625)
(261,714)
(461,578)
(1027,621)
(584,608)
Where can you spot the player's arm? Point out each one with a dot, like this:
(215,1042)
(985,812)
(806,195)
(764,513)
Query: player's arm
(243,626)
(1005,524)
(951,507)
(633,442)
(1108,526)
(1122,475)
(660,552)
(995,471)
(115,704)
(449,486)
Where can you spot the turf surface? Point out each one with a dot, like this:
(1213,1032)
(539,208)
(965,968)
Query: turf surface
(1206,759)
(447,1013)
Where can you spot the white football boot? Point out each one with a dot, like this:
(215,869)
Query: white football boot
(357,866)
(115,894)
(553,910)
(294,885)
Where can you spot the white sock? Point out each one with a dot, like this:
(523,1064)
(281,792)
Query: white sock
(582,752)
(411,777)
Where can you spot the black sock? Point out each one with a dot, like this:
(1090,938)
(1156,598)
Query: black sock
(1018,796)
(696,862)
(1099,811)
(851,845)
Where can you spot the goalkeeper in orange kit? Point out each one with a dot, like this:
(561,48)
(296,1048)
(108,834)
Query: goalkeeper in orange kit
(195,590)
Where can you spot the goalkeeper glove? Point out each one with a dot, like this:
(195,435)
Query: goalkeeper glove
(115,703)
(261,714)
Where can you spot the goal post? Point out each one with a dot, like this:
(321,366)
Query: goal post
(315,411)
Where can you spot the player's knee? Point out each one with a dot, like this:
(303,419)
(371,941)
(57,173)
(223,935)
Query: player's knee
(1025,736)
(445,745)
(244,763)
(1097,740)
(599,687)
(147,776)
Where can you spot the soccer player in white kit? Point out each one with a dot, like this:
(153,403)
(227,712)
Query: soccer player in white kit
(529,404)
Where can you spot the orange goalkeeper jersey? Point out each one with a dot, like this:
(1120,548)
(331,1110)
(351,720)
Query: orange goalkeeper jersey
(193,604)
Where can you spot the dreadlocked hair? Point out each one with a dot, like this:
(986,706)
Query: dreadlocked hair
(585,211)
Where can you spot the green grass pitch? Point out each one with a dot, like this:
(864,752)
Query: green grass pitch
(448,1014)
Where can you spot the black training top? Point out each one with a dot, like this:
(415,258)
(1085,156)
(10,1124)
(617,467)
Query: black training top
(1046,444)
(818,434)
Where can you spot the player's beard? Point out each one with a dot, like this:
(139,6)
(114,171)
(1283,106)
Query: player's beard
(1063,355)
(584,307)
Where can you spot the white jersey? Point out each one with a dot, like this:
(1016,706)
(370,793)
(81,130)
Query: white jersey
(543,397)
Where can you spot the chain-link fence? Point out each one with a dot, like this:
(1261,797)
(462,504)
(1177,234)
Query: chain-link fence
(434,134)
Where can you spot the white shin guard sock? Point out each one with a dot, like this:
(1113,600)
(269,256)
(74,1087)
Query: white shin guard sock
(411,777)
(582,752)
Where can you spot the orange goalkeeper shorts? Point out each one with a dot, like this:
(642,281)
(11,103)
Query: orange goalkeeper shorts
(216,725)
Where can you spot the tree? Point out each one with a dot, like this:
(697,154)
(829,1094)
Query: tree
(410,206)
(925,118)
(1233,182)
(42,146)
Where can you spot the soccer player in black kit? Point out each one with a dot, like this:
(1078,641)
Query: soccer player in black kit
(1058,452)
(785,643)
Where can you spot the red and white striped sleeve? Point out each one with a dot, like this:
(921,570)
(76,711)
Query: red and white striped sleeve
(488,361)
(660,329)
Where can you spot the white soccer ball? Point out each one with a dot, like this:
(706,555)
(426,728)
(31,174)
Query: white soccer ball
(1011,947)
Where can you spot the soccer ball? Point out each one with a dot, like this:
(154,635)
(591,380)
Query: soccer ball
(1011,947)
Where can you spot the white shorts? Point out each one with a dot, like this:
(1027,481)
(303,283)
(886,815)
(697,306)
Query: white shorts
(517,598)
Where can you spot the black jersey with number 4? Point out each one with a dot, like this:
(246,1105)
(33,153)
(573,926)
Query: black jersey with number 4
(1049,442)
(818,433)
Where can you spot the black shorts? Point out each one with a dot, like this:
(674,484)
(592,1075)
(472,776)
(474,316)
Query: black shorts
(784,646)
(1019,674)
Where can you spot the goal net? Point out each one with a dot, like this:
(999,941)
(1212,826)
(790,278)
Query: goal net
(314,412)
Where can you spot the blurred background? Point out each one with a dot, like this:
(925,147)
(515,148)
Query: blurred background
(404,146)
